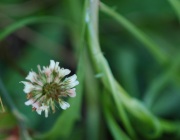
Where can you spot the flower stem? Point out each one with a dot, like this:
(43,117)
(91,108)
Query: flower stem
(124,103)
(176,4)
(100,63)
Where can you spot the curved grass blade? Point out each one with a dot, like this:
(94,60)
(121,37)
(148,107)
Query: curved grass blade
(30,20)
(176,6)
(153,48)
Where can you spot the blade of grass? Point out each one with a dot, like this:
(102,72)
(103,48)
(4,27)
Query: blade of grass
(153,48)
(1,104)
(115,129)
(140,114)
(92,103)
(171,127)
(30,20)
(176,6)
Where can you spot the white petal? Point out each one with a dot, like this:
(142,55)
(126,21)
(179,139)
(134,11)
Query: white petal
(45,108)
(63,72)
(72,78)
(39,68)
(35,105)
(72,92)
(36,87)
(28,87)
(45,68)
(39,82)
(57,79)
(31,76)
(52,64)
(39,110)
(46,113)
(74,84)
(42,108)
(29,102)
(56,66)
(37,96)
(66,72)
(48,72)
(64,105)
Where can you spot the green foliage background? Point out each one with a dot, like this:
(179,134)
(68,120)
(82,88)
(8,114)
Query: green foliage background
(126,56)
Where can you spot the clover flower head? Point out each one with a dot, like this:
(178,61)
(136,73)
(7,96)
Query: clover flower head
(48,87)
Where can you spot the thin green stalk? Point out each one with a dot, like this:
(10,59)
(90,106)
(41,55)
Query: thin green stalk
(170,127)
(140,115)
(92,103)
(1,104)
(30,20)
(117,133)
(115,129)
(101,64)
(153,48)
(176,6)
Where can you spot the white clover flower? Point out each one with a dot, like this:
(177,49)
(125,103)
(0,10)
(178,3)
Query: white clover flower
(48,87)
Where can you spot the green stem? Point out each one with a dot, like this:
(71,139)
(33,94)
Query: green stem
(1,104)
(100,62)
(92,103)
(176,6)
(155,50)
(115,129)
(138,112)
(170,127)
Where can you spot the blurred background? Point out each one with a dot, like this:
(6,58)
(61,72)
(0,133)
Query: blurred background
(54,32)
